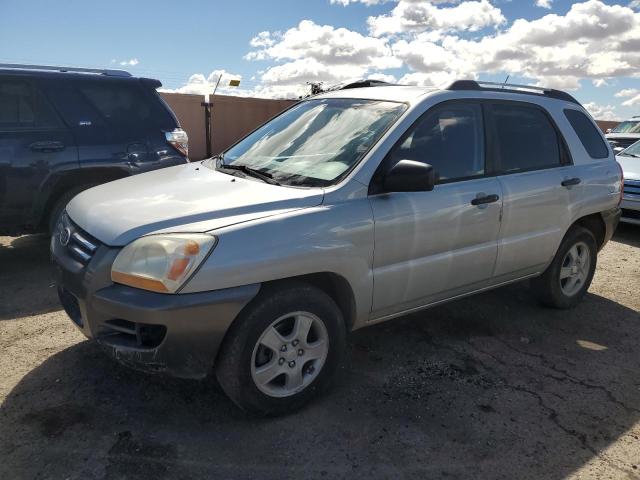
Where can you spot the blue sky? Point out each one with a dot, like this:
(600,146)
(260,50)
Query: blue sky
(589,47)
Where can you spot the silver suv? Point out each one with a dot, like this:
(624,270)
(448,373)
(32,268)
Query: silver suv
(350,208)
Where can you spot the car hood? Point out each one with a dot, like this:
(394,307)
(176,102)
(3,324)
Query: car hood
(630,167)
(185,198)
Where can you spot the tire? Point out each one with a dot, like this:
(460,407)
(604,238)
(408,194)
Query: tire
(60,204)
(561,285)
(243,355)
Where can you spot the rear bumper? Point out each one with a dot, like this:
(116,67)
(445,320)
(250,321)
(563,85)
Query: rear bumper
(611,219)
(175,334)
(630,209)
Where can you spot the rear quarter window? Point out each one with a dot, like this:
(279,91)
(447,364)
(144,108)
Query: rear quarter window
(587,133)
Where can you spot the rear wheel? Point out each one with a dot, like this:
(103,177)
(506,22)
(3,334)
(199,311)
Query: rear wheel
(283,350)
(569,276)
(61,204)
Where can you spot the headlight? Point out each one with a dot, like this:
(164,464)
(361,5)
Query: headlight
(161,263)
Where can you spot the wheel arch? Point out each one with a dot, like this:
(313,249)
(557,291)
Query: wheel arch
(596,225)
(58,185)
(334,285)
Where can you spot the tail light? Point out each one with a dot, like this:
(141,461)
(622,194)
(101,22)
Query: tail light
(621,183)
(179,140)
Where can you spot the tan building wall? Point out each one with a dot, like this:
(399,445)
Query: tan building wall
(231,118)
(606,124)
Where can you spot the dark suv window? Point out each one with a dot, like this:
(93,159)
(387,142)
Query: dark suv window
(588,134)
(526,138)
(450,138)
(121,105)
(23,106)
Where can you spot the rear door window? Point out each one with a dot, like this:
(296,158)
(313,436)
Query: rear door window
(587,133)
(123,106)
(22,105)
(525,137)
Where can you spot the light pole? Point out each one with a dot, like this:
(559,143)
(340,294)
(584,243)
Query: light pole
(207,111)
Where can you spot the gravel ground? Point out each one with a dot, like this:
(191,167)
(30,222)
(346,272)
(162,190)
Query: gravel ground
(488,387)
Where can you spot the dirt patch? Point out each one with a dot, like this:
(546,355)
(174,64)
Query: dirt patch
(487,387)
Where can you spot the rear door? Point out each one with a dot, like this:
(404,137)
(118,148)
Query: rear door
(116,121)
(532,163)
(34,145)
(437,244)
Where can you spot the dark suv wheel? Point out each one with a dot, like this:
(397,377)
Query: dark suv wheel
(283,349)
(567,279)
(60,205)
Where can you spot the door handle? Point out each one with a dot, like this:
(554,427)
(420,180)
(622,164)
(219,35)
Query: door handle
(570,182)
(47,146)
(485,199)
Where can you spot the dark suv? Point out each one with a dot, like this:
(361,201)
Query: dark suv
(63,130)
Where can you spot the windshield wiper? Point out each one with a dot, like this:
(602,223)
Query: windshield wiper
(627,154)
(252,172)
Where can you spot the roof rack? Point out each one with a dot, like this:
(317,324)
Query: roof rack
(511,88)
(110,73)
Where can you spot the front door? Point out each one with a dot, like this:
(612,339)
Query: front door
(435,245)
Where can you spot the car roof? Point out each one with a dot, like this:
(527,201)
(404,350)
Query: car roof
(391,93)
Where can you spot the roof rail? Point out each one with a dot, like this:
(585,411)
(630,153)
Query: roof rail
(52,68)
(511,88)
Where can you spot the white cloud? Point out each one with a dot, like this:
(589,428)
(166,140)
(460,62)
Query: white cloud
(601,112)
(436,42)
(326,44)
(544,3)
(633,95)
(593,40)
(628,92)
(634,4)
(131,62)
(418,16)
(201,85)
(263,39)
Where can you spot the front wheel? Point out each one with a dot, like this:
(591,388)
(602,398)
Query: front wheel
(283,349)
(567,279)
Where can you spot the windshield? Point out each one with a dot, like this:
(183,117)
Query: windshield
(632,151)
(316,142)
(630,126)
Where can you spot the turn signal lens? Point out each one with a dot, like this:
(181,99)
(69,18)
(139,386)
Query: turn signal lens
(161,263)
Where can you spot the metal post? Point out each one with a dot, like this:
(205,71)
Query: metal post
(207,125)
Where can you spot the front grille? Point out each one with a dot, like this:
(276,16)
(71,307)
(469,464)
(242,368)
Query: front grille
(632,187)
(119,332)
(79,243)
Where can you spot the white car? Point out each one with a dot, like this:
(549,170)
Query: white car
(629,160)
(624,135)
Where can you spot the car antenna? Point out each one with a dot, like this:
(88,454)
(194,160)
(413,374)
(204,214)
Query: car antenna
(505,81)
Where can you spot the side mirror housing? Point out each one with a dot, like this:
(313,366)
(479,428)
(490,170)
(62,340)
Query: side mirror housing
(409,176)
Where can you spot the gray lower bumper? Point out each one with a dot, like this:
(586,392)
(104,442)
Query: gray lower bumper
(175,334)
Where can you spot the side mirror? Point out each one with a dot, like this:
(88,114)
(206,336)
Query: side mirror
(409,176)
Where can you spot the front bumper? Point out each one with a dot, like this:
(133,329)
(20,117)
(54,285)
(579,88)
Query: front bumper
(177,334)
